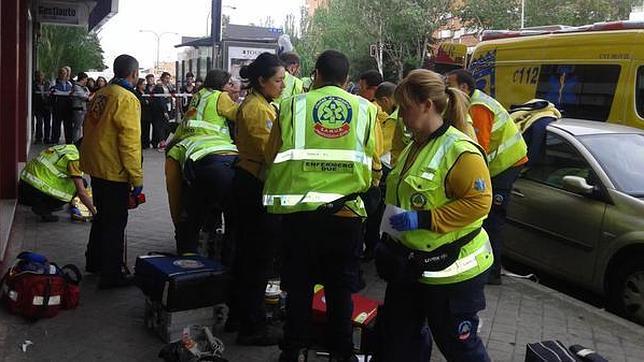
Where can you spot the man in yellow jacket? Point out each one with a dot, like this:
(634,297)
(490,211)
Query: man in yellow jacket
(368,83)
(111,155)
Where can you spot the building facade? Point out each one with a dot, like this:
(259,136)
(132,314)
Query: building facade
(19,27)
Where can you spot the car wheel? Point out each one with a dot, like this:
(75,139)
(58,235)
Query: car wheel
(626,293)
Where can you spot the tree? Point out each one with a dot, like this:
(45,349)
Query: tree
(402,28)
(73,46)
(289,26)
(499,14)
(491,14)
(267,22)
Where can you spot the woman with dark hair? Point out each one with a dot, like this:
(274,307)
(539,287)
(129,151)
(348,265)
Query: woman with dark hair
(209,109)
(159,117)
(100,83)
(140,91)
(264,78)
(91,84)
(140,87)
(207,115)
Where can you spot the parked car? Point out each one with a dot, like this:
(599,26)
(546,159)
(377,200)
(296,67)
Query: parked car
(578,212)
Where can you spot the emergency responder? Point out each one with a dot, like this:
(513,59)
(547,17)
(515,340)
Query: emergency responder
(532,118)
(207,164)
(402,137)
(292,84)
(436,264)
(506,155)
(209,113)
(384,96)
(210,108)
(321,152)
(111,155)
(51,180)
(368,84)
(256,232)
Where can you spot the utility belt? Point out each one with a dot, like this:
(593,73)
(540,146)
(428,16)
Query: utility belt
(396,262)
(331,208)
(371,198)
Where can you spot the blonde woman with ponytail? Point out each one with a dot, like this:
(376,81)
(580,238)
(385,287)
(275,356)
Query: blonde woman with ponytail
(437,259)
(456,111)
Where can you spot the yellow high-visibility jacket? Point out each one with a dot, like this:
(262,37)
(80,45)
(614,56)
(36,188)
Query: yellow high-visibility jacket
(111,147)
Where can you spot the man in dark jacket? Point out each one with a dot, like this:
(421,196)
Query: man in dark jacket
(62,108)
(41,108)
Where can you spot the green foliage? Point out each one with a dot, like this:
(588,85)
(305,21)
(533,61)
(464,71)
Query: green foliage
(73,46)
(499,14)
(403,27)
(491,14)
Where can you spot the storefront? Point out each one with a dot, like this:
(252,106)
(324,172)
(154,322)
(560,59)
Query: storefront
(19,26)
(240,44)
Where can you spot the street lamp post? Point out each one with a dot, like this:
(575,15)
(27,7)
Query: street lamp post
(158,36)
(215,30)
(522,14)
(209,17)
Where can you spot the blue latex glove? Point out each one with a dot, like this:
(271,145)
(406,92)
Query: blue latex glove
(405,221)
(137,190)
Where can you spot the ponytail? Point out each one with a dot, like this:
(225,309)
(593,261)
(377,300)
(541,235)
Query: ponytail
(456,111)
(264,66)
(422,84)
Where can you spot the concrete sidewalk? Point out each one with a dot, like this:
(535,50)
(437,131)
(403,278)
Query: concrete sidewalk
(108,325)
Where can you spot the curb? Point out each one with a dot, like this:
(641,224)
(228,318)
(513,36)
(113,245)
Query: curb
(597,312)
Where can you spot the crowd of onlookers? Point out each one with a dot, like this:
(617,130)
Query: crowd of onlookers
(63,102)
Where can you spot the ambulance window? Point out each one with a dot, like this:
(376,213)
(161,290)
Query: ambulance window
(639,92)
(583,91)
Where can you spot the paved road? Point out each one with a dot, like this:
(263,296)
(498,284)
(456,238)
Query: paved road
(108,325)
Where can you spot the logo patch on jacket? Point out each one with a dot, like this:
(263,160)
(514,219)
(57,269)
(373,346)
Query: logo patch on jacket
(332,117)
(479,185)
(418,201)
(97,106)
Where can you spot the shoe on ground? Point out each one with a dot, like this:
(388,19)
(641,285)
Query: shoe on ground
(494,279)
(118,282)
(266,336)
